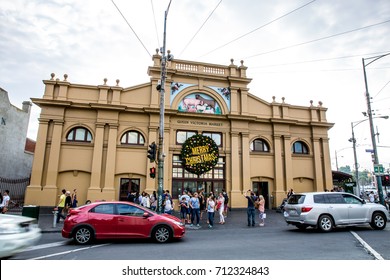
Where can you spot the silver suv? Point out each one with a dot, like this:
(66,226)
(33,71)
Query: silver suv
(326,210)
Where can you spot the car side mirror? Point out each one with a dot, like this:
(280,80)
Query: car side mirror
(146,215)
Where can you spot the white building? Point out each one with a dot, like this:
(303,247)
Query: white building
(15,158)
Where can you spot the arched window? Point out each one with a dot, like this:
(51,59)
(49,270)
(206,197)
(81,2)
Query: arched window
(79,134)
(299,148)
(259,145)
(132,138)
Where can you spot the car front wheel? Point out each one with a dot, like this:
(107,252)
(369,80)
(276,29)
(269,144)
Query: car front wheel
(162,234)
(325,223)
(378,221)
(83,235)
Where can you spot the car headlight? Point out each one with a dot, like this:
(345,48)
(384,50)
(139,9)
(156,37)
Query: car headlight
(10,229)
(178,223)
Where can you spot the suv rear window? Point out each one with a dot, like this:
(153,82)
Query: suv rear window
(319,198)
(296,199)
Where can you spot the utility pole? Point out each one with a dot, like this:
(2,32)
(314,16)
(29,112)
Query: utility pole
(369,112)
(161,154)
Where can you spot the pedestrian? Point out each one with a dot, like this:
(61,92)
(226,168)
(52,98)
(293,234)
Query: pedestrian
(187,198)
(250,196)
(153,201)
(183,209)
(195,209)
(68,203)
(261,203)
(220,208)
(371,197)
(210,210)
(74,198)
(226,206)
(4,206)
(290,193)
(60,206)
(168,205)
(202,203)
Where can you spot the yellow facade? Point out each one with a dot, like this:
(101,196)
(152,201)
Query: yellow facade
(199,98)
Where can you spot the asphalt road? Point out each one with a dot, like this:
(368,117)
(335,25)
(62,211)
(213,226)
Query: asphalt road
(232,241)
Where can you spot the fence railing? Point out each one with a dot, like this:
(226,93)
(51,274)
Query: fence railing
(17,189)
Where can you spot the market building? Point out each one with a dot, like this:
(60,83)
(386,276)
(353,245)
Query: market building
(96,138)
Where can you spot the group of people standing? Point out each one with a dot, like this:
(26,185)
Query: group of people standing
(255,202)
(144,199)
(194,205)
(65,203)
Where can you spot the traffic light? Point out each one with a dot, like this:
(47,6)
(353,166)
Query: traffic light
(152,152)
(385,180)
(152,172)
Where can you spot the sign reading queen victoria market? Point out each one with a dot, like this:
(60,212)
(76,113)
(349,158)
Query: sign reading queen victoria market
(199,154)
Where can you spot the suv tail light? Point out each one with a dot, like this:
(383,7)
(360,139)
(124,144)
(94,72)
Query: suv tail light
(306,209)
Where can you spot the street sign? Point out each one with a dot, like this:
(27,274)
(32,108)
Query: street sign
(378,168)
(369,151)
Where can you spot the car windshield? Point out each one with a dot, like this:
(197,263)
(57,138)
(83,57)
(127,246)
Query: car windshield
(296,199)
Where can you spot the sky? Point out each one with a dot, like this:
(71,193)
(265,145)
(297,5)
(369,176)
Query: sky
(301,50)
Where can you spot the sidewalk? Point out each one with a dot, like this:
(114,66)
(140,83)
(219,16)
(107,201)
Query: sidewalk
(237,218)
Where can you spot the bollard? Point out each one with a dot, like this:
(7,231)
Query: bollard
(55,213)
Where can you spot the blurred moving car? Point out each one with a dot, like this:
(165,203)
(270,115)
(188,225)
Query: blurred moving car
(326,210)
(17,233)
(119,220)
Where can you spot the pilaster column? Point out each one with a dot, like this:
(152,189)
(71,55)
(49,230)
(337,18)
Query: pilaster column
(109,182)
(33,195)
(288,163)
(39,154)
(318,175)
(97,159)
(245,161)
(279,191)
(54,157)
(327,168)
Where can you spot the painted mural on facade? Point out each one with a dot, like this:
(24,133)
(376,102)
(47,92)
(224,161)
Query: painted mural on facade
(199,103)
(198,106)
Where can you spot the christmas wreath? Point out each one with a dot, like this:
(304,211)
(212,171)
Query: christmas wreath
(199,154)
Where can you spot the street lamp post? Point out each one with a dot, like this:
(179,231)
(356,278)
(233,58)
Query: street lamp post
(369,112)
(161,154)
(353,140)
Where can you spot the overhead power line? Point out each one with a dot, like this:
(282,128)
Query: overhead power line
(319,39)
(315,60)
(131,27)
(272,21)
(200,28)
(155,24)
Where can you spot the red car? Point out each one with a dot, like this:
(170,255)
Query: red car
(119,220)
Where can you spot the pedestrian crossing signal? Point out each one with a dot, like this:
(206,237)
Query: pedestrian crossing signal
(152,172)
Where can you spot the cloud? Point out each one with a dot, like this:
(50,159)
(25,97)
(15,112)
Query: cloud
(89,40)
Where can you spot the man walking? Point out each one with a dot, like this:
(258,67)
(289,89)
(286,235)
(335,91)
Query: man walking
(61,205)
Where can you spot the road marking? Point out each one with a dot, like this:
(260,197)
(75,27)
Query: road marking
(45,246)
(376,255)
(68,252)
